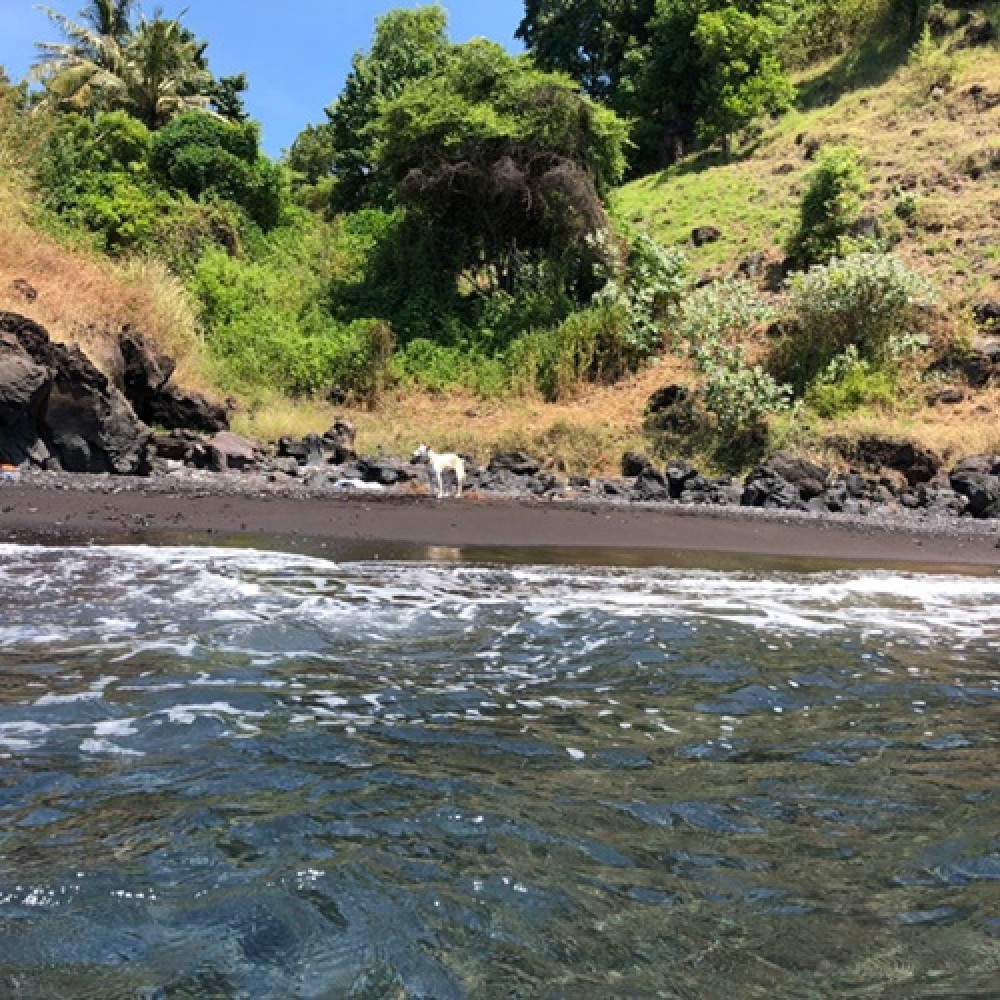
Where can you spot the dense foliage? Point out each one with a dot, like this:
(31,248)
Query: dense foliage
(450,222)
(689,72)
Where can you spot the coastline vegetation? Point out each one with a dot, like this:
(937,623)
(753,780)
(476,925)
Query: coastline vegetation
(785,208)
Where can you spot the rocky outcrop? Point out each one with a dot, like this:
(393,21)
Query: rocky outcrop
(229,452)
(872,453)
(977,478)
(58,411)
(146,374)
(334,447)
(517,463)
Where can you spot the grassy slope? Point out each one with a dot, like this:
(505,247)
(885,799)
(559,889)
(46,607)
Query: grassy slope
(928,148)
(86,299)
(912,144)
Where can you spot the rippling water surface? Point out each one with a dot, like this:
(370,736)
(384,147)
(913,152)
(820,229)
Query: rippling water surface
(233,773)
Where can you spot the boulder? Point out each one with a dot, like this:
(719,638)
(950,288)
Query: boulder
(987,464)
(73,418)
(982,492)
(977,479)
(753,266)
(810,479)
(178,446)
(146,372)
(876,454)
(670,408)
(386,471)
(172,409)
(634,463)
(515,462)
(24,389)
(679,477)
(701,235)
(304,451)
(666,397)
(651,485)
(145,369)
(765,489)
(230,452)
(339,441)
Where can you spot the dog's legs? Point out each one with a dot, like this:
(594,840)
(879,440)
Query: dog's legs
(459,481)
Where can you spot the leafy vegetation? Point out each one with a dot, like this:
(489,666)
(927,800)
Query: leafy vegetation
(456,225)
(866,303)
(830,208)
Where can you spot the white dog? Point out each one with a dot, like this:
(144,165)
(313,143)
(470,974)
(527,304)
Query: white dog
(436,466)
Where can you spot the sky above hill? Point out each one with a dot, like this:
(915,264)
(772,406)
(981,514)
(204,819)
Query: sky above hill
(296,54)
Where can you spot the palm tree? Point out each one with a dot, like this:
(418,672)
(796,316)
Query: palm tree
(154,70)
(77,71)
(164,73)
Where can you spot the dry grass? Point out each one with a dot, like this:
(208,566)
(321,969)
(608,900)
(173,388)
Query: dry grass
(86,299)
(586,436)
(952,431)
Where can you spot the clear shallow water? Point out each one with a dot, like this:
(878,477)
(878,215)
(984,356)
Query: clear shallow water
(232,773)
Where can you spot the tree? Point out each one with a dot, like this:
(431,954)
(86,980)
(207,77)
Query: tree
(708,69)
(77,70)
(830,207)
(155,69)
(588,39)
(506,163)
(201,154)
(408,45)
(226,96)
(164,73)
(742,78)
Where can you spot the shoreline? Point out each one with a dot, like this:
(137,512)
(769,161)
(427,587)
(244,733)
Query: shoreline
(61,508)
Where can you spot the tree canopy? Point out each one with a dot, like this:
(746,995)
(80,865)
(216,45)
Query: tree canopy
(408,45)
(681,70)
(506,161)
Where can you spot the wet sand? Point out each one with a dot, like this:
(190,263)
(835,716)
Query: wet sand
(81,509)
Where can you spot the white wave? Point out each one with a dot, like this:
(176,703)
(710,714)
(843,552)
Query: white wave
(231,591)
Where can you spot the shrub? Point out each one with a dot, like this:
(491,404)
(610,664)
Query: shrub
(930,64)
(198,153)
(645,279)
(830,207)
(741,395)
(850,382)
(713,321)
(864,301)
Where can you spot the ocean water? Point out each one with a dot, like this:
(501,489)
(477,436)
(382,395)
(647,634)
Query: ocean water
(235,773)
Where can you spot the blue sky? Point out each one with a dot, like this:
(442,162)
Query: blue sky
(296,54)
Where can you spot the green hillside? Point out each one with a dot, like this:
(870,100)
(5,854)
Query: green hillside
(931,155)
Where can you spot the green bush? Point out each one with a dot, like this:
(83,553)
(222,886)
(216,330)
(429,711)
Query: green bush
(830,207)
(714,322)
(439,367)
(850,382)
(645,279)
(864,302)
(266,325)
(198,153)
(124,212)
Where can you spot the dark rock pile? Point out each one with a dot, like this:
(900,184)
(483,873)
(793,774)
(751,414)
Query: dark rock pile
(146,373)
(58,411)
